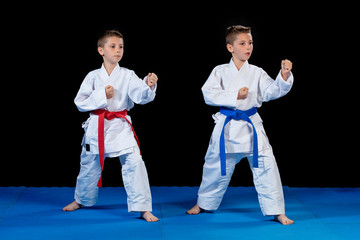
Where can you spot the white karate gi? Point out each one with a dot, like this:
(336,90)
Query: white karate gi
(119,137)
(221,89)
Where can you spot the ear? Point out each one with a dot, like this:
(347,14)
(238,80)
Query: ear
(101,51)
(229,47)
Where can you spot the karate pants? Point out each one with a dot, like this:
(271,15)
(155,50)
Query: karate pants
(134,175)
(266,180)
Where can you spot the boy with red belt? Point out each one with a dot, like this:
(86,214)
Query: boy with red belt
(108,93)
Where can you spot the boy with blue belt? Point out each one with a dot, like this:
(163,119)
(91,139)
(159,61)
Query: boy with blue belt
(239,88)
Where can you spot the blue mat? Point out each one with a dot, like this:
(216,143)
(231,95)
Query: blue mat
(319,213)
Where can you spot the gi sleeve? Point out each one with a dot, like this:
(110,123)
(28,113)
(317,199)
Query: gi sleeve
(215,94)
(271,89)
(139,92)
(88,98)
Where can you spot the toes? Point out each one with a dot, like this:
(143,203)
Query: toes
(195,210)
(154,219)
(147,216)
(72,207)
(283,220)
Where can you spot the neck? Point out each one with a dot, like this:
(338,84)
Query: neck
(238,63)
(109,67)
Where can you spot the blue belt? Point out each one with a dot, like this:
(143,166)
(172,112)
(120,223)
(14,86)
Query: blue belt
(237,115)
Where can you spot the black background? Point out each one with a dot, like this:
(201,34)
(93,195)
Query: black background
(313,130)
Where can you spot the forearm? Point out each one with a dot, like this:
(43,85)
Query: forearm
(220,98)
(278,88)
(140,92)
(91,101)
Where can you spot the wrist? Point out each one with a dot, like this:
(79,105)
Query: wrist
(285,76)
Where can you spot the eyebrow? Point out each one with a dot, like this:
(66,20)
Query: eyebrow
(121,44)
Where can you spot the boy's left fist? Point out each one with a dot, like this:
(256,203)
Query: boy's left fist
(286,67)
(152,79)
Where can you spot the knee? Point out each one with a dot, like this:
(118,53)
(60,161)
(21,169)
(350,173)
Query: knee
(268,159)
(132,161)
(87,157)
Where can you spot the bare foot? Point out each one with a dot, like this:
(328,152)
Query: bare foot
(72,206)
(283,219)
(148,216)
(195,210)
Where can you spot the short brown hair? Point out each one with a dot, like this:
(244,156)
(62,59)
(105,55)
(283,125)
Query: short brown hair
(232,31)
(108,33)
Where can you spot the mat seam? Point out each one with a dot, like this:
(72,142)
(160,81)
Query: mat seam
(12,203)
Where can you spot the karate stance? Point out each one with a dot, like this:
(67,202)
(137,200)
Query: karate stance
(108,93)
(239,88)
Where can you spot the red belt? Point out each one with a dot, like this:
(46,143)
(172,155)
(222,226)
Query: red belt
(101,139)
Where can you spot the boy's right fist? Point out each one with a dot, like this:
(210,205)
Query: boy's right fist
(243,93)
(109,91)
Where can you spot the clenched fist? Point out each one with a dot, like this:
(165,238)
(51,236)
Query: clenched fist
(286,67)
(243,93)
(152,79)
(109,91)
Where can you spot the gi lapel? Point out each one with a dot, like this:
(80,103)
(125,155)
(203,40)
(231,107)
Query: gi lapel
(105,77)
(114,76)
(240,77)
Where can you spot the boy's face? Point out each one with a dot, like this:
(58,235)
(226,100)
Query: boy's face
(242,47)
(113,50)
